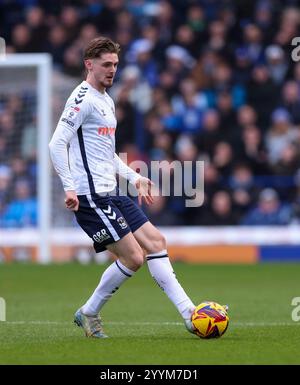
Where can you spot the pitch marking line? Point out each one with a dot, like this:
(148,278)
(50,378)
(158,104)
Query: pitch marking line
(239,324)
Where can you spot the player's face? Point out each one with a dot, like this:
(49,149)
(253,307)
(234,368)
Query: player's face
(104,69)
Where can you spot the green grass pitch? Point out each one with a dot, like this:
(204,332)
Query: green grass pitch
(143,324)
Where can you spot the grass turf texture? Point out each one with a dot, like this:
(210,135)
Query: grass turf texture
(143,324)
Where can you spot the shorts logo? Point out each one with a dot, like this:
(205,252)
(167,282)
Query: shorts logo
(110,212)
(101,236)
(122,223)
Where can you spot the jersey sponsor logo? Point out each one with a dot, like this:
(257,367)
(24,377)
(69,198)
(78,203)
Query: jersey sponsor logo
(101,236)
(68,122)
(106,130)
(122,223)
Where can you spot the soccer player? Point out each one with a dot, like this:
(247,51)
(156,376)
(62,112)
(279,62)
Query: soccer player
(82,150)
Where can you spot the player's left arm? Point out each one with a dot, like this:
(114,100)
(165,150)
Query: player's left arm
(142,184)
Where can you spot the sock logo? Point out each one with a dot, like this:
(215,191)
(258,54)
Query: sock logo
(115,289)
(158,283)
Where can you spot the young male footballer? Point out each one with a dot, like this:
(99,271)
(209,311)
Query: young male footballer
(82,150)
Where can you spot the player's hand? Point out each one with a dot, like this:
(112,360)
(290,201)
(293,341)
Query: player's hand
(71,200)
(144,185)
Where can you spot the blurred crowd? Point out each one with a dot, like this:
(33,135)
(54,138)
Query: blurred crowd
(210,80)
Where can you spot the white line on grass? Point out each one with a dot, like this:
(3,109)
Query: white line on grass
(238,324)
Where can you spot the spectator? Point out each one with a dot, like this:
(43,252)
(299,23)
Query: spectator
(289,160)
(221,212)
(185,37)
(253,42)
(36,21)
(243,66)
(125,116)
(280,135)
(217,40)
(269,211)
(56,44)
(69,19)
(189,106)
(211,132)
(223,158)
(21,38)
(242,187)
(140,54)
(22,211)
(290,100)
(139,91)
(253,151)
(276,63)
(263,94)
(179,61)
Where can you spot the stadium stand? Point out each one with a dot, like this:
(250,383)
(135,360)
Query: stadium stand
(198,80)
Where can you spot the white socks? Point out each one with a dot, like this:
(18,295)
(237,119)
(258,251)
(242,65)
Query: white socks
(162,272)
(111,280)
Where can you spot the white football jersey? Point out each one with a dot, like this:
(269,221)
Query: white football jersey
(82,148)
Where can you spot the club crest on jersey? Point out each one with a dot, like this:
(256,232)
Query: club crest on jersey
(122,223)
(103,112)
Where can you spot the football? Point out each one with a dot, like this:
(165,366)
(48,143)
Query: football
(210,320)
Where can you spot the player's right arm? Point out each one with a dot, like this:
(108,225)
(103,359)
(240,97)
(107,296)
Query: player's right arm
(71,119)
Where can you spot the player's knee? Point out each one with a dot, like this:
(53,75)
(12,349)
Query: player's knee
(157,244)
(137,261)
(135,257)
